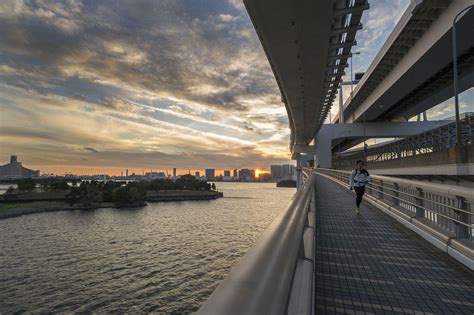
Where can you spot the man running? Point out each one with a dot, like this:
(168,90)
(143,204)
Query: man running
(359,178)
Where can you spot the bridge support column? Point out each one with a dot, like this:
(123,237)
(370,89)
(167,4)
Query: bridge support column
(299,174)
(323,152)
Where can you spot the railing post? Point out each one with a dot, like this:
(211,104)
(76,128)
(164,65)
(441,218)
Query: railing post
(420,211)
(462,231)
(396,195)
(381,190)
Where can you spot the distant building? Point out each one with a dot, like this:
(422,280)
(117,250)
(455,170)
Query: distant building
(197,175)
(275,172)
(210,173)
(16,169)
(235,174)
(174,171)
(155,175)
(126,172)
(244,175)
(227,173)
(287,171)
(252,175)
(264,177)
(282,172)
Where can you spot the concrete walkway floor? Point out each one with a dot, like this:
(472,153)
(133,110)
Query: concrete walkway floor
(372,264)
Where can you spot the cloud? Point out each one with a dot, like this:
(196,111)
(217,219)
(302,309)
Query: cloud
(91,150)
(200,60)
(148,82)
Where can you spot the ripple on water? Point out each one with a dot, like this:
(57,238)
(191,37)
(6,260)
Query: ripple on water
(166,257)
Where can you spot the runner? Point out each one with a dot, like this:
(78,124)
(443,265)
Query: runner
(359,178)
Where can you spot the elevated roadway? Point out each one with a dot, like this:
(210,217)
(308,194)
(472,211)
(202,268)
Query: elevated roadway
(413,70)
(307,44)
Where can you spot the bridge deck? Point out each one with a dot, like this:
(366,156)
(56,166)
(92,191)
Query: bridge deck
(373,264)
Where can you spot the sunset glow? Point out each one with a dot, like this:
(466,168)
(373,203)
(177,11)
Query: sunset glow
(102,86)
(258,172)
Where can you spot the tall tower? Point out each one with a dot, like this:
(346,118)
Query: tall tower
(13,159)
(174,171)
(126,172)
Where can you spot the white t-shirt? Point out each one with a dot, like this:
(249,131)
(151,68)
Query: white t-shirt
(359,178)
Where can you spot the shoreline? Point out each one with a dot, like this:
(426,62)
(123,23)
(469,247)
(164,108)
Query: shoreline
(17,212)
(20,211)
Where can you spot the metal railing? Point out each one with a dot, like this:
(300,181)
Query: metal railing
(272,277)
(438,139)
(448,209)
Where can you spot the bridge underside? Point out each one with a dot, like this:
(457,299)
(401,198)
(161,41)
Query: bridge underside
(373,264)
(414,71)
(410,78)
(307,44)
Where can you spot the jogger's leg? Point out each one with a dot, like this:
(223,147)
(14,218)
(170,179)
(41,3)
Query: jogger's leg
(359,193)
(358,198)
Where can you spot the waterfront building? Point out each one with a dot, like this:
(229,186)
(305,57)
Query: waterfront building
(210,173)
(252,175)
(244,175)
(197,175)
(275,172)
(227,177)
(264,177)
(282,172)
(15,169)
(287,171)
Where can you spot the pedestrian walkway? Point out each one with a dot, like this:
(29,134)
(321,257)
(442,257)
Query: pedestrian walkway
(373,264)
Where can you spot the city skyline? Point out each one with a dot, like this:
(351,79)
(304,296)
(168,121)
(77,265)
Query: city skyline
(173,172)
(100,87)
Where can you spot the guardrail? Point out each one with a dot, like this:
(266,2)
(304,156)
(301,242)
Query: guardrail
(444,211)
(275,276)
(436,140)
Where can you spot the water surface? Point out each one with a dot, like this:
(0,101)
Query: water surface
(165,257)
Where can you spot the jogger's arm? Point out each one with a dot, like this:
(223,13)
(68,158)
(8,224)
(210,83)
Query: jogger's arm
(351,180)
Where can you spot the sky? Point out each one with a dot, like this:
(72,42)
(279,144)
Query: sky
(93,87)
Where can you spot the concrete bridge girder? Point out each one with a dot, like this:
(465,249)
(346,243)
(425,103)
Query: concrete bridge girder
(387,84)
(329,133)
(303,148)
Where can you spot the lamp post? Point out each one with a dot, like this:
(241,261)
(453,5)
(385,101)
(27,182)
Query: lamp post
(352,78)
(363,116)
(341,98)
(341,104)
(455,76)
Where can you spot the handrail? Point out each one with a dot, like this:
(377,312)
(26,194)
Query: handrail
(449,207)
(261,281)
(436,188)
(434,140)
(418,197)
